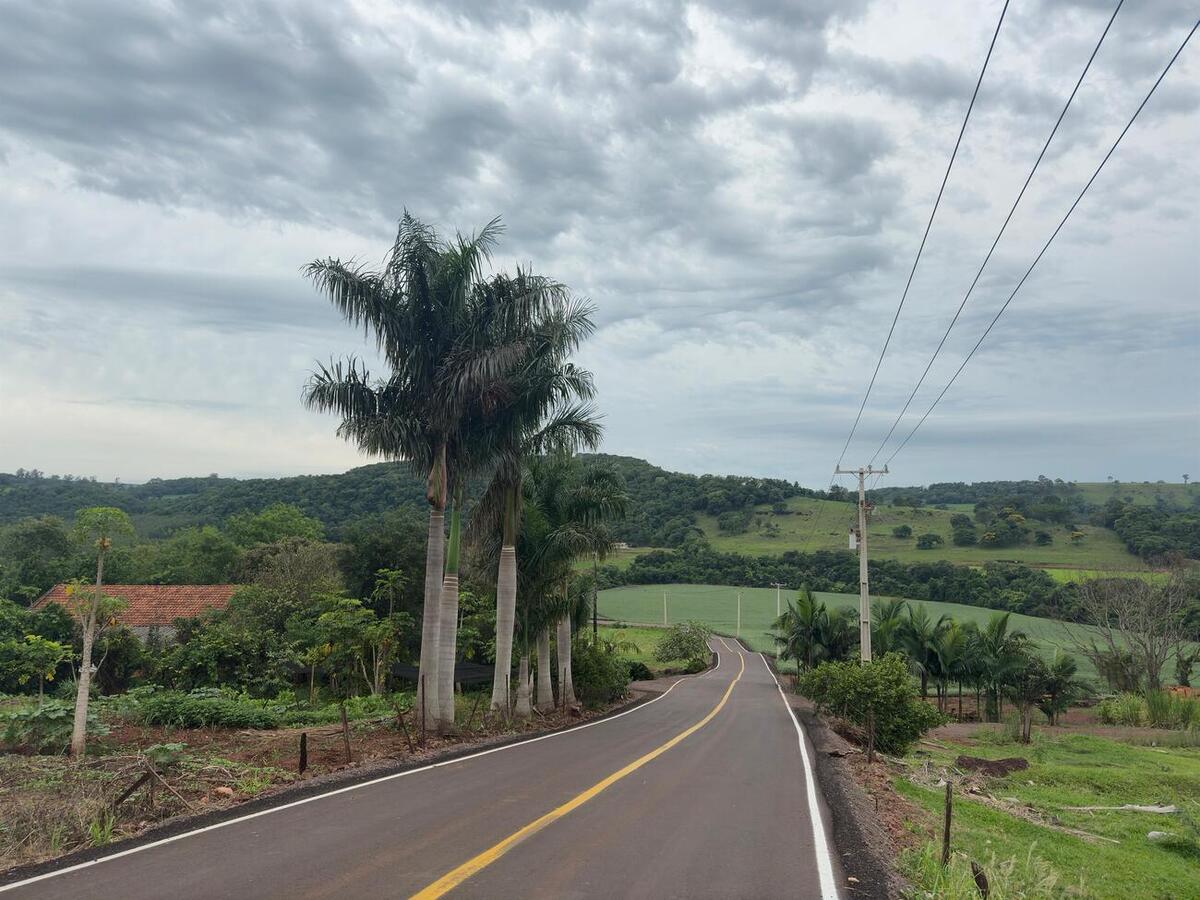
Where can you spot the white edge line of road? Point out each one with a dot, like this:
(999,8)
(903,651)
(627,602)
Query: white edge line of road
(353,787)
(820,841)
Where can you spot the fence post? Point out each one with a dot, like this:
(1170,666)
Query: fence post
(946,824)
(346,731)
(871,735)
(303,751)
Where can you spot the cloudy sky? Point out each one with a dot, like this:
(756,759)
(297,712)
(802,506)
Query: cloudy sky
(740,187)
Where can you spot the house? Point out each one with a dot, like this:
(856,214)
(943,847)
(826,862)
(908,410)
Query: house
(154,606)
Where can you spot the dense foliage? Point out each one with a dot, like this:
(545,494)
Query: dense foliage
(686,641)
(881,688)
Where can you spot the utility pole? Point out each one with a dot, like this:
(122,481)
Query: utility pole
(664,607)
(864,596)
(739,617)
(778,609)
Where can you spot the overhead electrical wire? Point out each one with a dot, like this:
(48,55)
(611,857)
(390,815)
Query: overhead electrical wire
(925,236)
(999,234)
(1049,240)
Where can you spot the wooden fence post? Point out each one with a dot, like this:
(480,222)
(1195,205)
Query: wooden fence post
(946,825)
(303,751)
(346,731)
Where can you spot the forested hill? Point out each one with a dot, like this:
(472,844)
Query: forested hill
(662,510)
(665,509)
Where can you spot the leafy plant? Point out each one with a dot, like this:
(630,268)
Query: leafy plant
(687,641)
(852,690)
(1124,709)
(202,710)
(599,677)
(45,728)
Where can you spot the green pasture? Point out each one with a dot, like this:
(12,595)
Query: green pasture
(810,525)
(1140,493)
(717,607)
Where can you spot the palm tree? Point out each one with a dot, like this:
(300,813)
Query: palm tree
(887,621)
(950,647)
(799,629)
(541,406)
(919,637)
(416,308)
(1000,653)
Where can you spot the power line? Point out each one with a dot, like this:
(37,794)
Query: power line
(1049,240)
(999,234)
(925,236)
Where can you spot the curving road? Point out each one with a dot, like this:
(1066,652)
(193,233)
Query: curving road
(706,791)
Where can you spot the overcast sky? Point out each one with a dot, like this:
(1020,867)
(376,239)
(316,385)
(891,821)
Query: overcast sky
(740,187)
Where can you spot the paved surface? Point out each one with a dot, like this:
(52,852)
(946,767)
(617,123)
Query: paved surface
(723,812)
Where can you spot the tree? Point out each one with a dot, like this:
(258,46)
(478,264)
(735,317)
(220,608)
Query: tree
(998,653)
(919,637)
(275,523)
(1026,683)
(887,622)
(1136,620)
(902,531)
(99,527)
(929,541)
(1061,688)
(415,308)
(545,409)
(32,657)
(798,629)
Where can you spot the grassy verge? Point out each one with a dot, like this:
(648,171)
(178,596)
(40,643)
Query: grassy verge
(1016,827)
(635,643)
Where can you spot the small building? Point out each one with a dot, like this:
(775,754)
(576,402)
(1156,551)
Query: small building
(154,607)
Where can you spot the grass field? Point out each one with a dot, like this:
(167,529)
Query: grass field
(717,607)
(1076,770)
(824,524)
(645,639)
(1174,493)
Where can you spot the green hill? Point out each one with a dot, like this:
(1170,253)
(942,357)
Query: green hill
(806,525)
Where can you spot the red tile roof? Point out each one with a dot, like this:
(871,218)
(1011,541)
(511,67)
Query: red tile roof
(155,604)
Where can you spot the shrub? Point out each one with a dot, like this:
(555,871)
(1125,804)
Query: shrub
(1124,709)
(687,641)
(204,709)
(902,531)
(1043,538)
(929,541)
(851,690)
(599,676)
(45,728)
(1167,710)
(965,537)
(639,671)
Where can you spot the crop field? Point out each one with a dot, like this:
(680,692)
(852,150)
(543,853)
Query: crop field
(717,607)
(824,525)
(1140,493)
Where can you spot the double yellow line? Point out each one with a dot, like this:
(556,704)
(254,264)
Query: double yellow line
(455,877)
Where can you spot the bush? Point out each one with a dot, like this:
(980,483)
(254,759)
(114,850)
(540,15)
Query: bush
(965,537)
(851,690)
(599,676)
(639,671)
(687,641)
(902,531)
(205,709)
(1167,710)
(1124,709)
(929,541)
(44,729)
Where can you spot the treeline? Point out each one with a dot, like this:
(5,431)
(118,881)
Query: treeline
(1154,532)
(1022,495)
(37,553)
(1001,586)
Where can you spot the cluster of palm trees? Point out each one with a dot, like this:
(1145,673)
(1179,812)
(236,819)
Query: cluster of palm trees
(478,384)
(991,659)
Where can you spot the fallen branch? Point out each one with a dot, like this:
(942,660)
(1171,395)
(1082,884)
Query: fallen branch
(1129,807)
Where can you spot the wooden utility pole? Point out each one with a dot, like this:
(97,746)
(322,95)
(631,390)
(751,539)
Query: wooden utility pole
(864,596)
(739,615)
(664,607)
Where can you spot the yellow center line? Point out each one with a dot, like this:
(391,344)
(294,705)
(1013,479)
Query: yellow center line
(455,877)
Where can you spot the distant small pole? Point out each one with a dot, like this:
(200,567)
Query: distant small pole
(739,615)
(303,751)
(946,825)
(664,607)
(778,604)
(471,718)
(346,731)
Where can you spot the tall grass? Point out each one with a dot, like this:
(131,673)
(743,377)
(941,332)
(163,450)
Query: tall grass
(1008,879)
(1158,709)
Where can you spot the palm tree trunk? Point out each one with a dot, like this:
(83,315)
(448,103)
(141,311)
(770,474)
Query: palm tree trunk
(84,685)
(545,687)
(427,680)
(448,624)
(506,612)
(566,690)
(523,710)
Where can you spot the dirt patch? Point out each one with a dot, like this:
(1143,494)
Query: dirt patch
(993,768)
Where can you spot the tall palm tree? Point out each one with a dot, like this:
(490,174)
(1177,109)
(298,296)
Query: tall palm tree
(416,309)
(919,638)
(949,648)
(544,408)
(1001,652)
(799,629)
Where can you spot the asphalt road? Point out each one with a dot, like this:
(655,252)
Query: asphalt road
(704,792)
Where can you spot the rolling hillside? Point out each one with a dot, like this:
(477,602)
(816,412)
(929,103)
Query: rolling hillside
(810,524)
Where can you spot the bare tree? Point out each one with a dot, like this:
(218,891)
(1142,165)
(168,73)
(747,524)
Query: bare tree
(1137,625)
